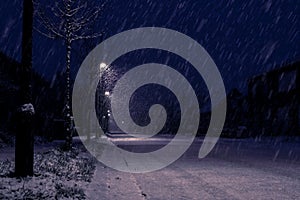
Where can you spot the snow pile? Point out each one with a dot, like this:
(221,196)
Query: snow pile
(27,108)
(58,175)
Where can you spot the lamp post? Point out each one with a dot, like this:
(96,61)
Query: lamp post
(103,99)
(102,68)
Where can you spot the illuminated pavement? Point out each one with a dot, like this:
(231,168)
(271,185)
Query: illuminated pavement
(235,169)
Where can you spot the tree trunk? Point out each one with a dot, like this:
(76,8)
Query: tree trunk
(68,116)
(24,133)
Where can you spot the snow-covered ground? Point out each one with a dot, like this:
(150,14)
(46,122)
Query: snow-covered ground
(57,174)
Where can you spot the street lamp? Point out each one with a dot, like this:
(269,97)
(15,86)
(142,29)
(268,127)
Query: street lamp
(103,66)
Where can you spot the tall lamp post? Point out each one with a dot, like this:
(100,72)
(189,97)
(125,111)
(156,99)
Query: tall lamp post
(100,97)
(103,100)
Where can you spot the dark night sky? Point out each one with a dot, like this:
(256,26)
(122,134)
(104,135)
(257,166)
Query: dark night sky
(244,38)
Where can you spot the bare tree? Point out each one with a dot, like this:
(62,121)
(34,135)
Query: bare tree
(69,20)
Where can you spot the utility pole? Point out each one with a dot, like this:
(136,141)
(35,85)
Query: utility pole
(24,134)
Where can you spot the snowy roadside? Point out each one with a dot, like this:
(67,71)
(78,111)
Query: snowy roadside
(57,175)
(76,175)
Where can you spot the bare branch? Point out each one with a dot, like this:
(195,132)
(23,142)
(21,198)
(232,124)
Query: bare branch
(66,3)
(75,10)
(48,35)
(60,12)
(80,37)
(76,26)
(88,18)
(46,22)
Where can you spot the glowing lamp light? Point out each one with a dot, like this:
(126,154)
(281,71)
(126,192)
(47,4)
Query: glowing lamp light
(103,65)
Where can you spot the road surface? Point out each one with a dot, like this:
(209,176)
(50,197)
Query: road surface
(236,169)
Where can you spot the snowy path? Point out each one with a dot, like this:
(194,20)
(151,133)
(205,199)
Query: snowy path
(236,169)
